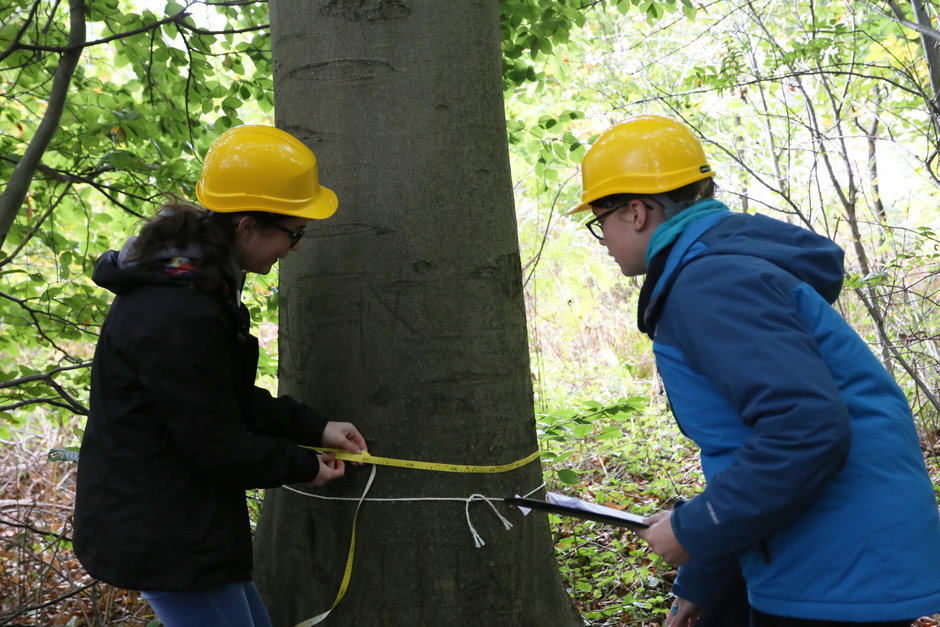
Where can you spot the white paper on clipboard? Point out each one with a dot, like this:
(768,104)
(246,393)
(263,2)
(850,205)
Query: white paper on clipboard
(572,506)
(587,506)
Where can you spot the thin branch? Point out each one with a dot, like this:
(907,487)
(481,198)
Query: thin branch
(931,54)
(178,18)
(51,13)
(871,137)
(189,78)
(19,34)
(233,3)
(882,332)
(779,78)
(44,376)
(33,608)
(899,17)
(42,400)
(34,315)
(38,532)
(35,228)
(72,403)
(108,191)
(202,31)
(533,263)
(78,47)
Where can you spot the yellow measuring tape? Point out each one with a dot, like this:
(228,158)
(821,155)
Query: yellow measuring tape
(366,458)
(407,463)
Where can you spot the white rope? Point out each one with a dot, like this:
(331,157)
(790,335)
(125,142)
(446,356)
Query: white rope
(477,539)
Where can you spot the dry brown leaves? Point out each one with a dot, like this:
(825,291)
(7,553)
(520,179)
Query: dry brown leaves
(41,581)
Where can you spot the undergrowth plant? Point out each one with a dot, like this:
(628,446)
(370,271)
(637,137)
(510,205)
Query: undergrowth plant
(621,455)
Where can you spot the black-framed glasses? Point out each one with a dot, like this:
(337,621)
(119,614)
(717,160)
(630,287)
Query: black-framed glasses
(596,224)
(294,235)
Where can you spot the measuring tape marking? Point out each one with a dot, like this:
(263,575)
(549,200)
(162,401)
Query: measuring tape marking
(367,458)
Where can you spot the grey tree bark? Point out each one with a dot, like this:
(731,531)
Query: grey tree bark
(404,314)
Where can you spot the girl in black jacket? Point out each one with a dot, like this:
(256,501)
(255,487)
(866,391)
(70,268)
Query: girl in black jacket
(177,429)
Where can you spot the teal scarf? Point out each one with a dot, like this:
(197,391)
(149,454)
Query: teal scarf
(670,230)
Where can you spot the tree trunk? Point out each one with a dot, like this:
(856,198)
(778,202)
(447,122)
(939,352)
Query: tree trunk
(931,52)
(404,314)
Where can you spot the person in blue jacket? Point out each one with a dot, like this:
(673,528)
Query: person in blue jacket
(816,486)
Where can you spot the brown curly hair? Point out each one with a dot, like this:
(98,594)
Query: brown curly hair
(180,225)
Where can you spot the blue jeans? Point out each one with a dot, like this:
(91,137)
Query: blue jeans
(235,604)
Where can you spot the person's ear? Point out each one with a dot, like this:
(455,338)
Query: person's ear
(244,227)
(639,214)
(649,214)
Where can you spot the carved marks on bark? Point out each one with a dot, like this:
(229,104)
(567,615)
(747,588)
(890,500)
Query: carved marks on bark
(366,10)
(423,302)
(342,70)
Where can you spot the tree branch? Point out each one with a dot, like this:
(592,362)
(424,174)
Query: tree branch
(87,177)
(43,401)
(70,402)
(899,17)
(14,45)
(795,74)
(189,82)
(931,54)
(33,608)
(72,47)
(178,18)
(46,376)
(34,316)
(34,229)
(202,31)
(12,198)
(882,333)
(38,532)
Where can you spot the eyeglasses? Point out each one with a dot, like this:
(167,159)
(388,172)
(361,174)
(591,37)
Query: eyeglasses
(596,224)
(294,235)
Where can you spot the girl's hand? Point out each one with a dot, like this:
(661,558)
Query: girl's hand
(343,435)
(330,468)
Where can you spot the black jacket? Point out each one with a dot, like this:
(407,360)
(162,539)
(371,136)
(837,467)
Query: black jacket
(177,432)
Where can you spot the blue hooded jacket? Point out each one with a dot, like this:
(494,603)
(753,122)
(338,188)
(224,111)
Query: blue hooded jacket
(815,479)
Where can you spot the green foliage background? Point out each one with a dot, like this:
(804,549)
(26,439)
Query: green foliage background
(822,114)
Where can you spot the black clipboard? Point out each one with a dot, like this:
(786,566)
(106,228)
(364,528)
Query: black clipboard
(571,506)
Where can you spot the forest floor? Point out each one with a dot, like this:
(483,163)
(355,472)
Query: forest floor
(41,581)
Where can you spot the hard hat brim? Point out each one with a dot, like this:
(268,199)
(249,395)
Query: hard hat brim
(323,206)
(320,207)
(585,206)
(632,184)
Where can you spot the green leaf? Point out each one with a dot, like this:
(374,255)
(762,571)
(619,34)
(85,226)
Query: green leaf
(568,476)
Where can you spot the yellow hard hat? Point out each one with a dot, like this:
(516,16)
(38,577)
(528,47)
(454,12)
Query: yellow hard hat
(645,154)
(262,168)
